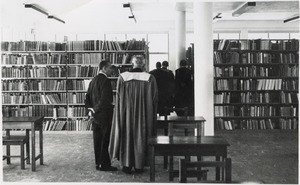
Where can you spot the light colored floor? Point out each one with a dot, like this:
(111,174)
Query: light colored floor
(262,156)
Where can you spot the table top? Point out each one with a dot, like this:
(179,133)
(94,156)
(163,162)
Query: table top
(188,140)
(181,118)
(22,119)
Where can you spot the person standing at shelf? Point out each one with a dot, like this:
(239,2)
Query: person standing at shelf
(184,88)
(134,115)
(99,99)
(165,84)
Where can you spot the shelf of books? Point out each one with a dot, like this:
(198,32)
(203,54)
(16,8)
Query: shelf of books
(51,79)
(256,84)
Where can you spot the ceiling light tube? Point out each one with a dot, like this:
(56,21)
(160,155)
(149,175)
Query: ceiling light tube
(56,18)
(243,8)
(37,8)
(291,19)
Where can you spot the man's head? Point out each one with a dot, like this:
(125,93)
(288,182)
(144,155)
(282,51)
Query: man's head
(165,64)
(138,61)
(158,65)
(105,67)
(182,63)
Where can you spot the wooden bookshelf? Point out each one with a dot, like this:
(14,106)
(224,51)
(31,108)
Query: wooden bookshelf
(256,84)
(51,79)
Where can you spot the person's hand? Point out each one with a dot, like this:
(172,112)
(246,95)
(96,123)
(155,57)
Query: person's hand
(90,114)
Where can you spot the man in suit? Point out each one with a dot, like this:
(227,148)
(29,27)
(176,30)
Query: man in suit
(99,99)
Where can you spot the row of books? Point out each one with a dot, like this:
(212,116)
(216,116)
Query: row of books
(13,85)
(96,45)
(78,125)
(289,97)
(76,97)
(254,58)
(27,111)
(290,85)
(52,124)
(258,111)
(221,124)
(222,98)
(257,124)
(37,72)
(249,97)
(256,97)
(82,71)
(221,111)
(257,44)
(35,58)
(14,72)
(288,124)
(289,71)
(269,84)
(256,71)
(31,46)
(56,98)
(226,58)
(288,111)
(76,111)
(47,85)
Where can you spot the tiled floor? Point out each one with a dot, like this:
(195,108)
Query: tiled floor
(267,156)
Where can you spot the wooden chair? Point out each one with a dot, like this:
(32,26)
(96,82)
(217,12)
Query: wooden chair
(9,140)
(185,165)
(167,110)
(202,174)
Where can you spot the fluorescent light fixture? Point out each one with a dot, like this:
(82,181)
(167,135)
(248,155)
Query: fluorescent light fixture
(243,8)
(291,19)
(37,8)
(56,18)
(127,5)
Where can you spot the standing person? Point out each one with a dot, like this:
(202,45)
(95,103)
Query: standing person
(184,88)
(165,84)
(158,68)
(98,101)
(135,113)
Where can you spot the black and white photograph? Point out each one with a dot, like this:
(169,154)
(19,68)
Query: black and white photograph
(149,91)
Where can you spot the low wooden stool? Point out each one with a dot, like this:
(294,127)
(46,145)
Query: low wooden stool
(185,165)
(9,140)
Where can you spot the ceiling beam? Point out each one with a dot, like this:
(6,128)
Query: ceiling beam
(243,8)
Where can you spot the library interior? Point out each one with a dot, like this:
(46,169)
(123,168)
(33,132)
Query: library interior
(150,91)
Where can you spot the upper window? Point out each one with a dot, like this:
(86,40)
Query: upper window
(158,42)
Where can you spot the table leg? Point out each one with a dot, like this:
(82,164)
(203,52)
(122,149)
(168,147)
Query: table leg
(217,169)
(32,147)
(8,147)
(28,147)
(41,146)
(152,164)
(171,168)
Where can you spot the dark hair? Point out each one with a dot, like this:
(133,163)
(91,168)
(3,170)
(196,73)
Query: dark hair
(165,63)
(182,63)
(158,65)
(104,63)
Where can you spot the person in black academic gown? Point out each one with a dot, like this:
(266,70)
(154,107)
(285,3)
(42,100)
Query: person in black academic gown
(184,89)
(134,116)
(99,99)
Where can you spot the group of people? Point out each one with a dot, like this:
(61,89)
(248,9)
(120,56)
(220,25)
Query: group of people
(121,131)
(174,91)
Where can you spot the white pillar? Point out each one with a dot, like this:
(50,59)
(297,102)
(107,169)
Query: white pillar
(203,57)
(180,36)
(244,34)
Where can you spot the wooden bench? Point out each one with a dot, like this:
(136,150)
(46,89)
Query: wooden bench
(185,165)
(10,140)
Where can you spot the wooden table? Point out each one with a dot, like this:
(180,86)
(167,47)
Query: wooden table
(30,124)
(186,146)
(162,122)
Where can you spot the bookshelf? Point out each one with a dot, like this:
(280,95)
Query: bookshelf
(256,84)
(51,79)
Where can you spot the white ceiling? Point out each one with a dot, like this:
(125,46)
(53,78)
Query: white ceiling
(104,14)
